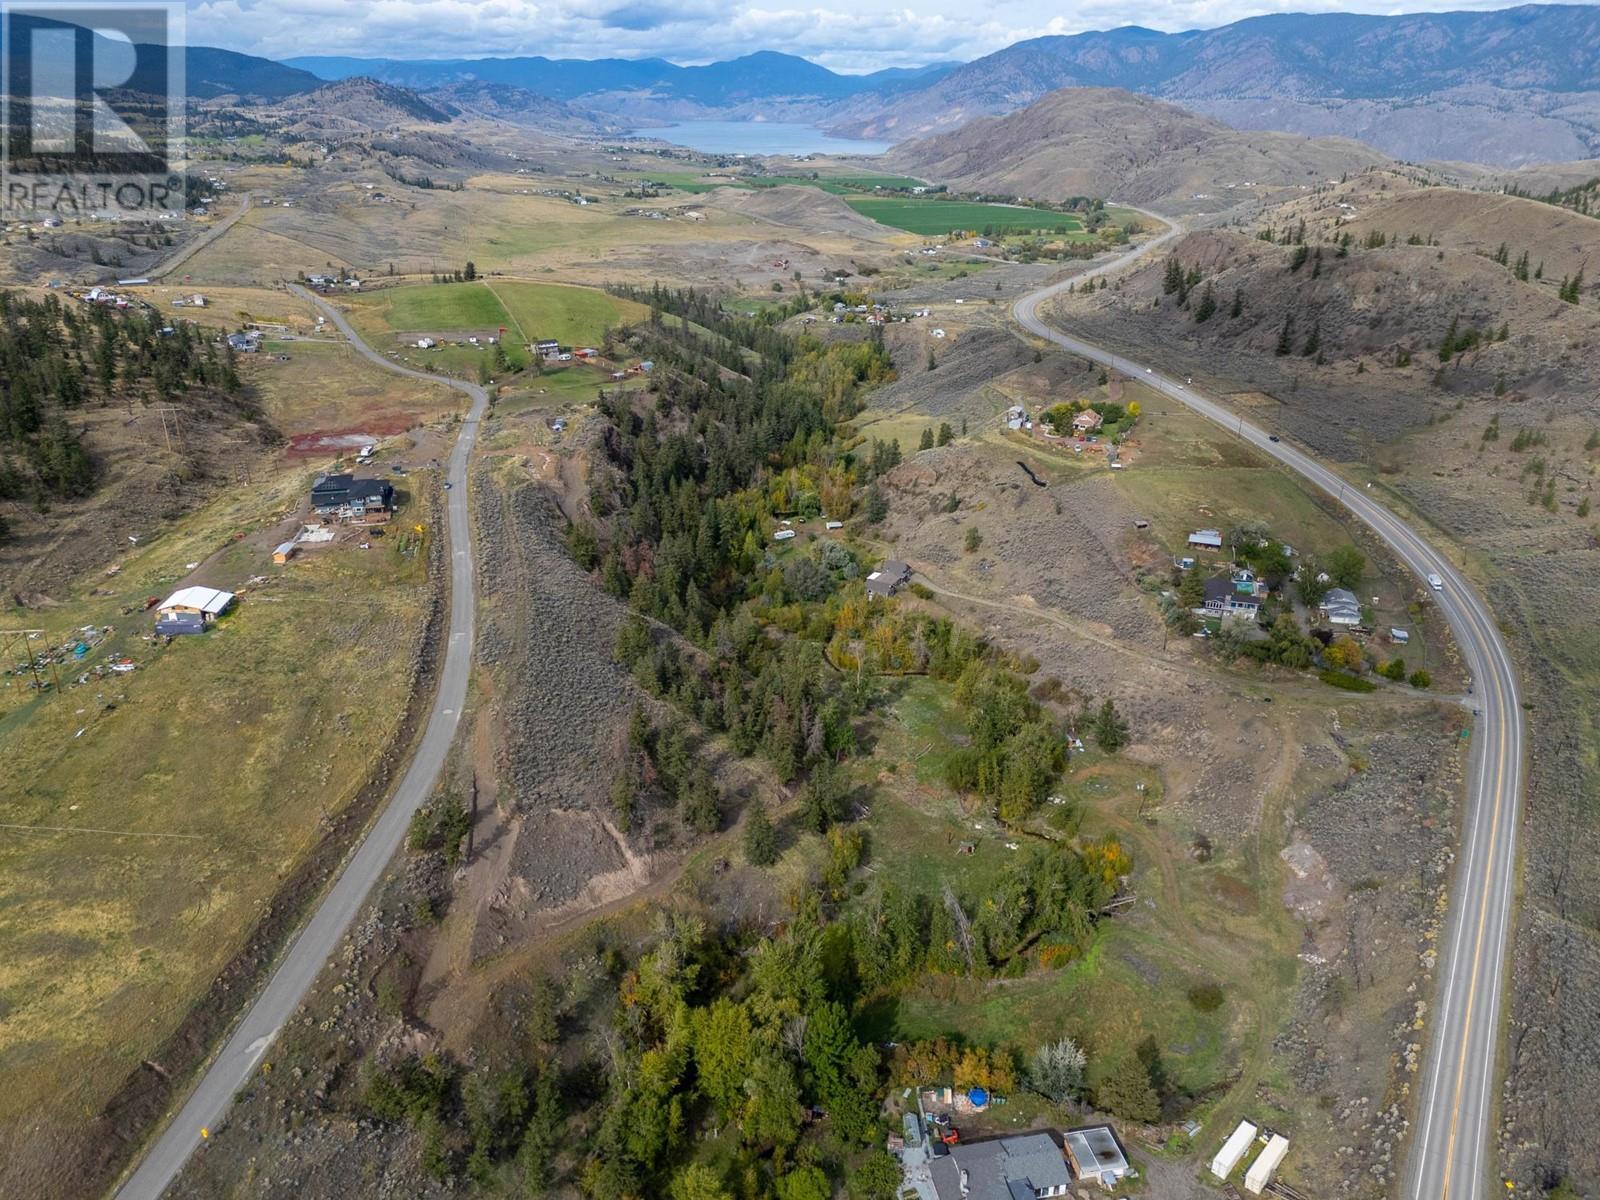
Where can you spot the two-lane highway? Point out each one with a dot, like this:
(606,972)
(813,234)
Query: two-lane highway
(294,975)
(1450,1150)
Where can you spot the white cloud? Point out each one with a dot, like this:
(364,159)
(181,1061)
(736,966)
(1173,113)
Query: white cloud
(851,35)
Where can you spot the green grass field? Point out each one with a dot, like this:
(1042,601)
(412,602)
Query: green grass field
(931,217)
(573,316)
(839,185)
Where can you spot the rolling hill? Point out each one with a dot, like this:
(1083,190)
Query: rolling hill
(1510,87)
(1104,142)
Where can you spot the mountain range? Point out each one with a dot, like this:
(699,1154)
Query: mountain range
(1504,89)
(1508,87)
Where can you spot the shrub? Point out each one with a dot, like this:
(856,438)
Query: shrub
(1349,683)
(1205,997)
(1421,679)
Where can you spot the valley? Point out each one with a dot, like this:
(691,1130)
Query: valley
(542,660)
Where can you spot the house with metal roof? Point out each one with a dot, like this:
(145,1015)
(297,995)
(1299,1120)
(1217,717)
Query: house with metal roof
(205,603)
(1339,606)
(1014,1168)
(1205,539)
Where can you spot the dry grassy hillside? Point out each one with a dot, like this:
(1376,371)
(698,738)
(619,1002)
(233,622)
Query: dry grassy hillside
(1357,318)
(800,209)
(1498,448)
(1107,142)
(1400,207)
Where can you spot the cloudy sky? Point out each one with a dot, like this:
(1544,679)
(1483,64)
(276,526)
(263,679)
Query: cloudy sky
(846,35)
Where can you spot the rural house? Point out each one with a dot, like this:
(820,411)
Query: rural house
(1013,1168)
(1339,606)
(547,348)
(360,501)
(1087,421)
(1205,539)
(887,579)
(190,607)
(1223,598)
(1096,1156)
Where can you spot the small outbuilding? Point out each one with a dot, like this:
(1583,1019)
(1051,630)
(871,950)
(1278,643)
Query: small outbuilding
(206,604)
(1096,1156)
(1233,1149)
(283,553)
(1260,1172)
(1205,539)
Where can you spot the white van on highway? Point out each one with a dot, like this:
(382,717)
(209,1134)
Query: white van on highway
(1436,583)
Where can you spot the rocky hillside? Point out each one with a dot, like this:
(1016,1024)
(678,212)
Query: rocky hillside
(519,106)
(1105,142)
(1401,206)
(368,103)
(1511,87)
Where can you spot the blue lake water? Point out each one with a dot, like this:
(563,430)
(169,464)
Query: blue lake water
(759,137)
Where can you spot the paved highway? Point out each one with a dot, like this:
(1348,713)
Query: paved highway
(1450,1151)
(294,975)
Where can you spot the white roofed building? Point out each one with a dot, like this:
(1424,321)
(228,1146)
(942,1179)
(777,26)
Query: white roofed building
(206,603)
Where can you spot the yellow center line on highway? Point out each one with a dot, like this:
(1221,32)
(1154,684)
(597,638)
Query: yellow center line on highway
(1483,920)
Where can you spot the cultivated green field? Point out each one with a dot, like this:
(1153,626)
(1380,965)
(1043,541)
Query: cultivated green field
(930,217)
(441,306)
(530,312)
(839,185)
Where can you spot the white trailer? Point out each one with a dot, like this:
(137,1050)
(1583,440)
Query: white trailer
(1266,1163)
(1233,1149)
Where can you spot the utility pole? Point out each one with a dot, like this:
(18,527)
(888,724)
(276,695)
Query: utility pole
(22,637)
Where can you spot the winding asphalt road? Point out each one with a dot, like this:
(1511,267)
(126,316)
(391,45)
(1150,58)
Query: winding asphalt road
(1450,1145)
(231,1069)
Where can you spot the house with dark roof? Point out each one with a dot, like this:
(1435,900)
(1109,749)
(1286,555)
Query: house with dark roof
(887,579)
(1026,1167)
(346,498)
(1224,599)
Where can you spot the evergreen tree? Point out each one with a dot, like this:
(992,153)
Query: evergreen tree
(760,838)
(1110,730)
(1238,304)
(1207,306)
(1285,337)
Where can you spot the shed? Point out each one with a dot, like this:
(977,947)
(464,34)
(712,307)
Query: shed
(1265,1164)
(1095,1155)
(206,603)
(283,553)
(1205,539)
(1233,1149)
(783,535)
(1399,637)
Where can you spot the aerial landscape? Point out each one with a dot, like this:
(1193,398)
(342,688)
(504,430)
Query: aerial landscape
(614,601)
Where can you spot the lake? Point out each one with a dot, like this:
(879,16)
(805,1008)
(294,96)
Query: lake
(759,137)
